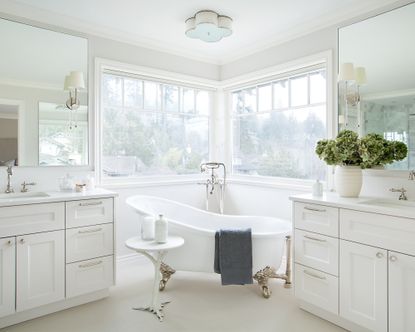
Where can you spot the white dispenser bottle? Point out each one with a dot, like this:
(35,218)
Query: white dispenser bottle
(161,230)
(317,189)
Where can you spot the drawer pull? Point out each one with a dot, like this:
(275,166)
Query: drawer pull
(379,255)
(314,275)
(90,231)
(22,241)
(314,209)
(314,238)
(89,264)
(90,203)
(9,243)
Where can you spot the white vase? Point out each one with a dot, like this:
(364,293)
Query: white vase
(348,181)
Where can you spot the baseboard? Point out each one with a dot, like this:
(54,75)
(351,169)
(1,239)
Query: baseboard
(52,307)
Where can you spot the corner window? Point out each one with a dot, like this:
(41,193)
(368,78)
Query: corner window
(276,126)
(152,128)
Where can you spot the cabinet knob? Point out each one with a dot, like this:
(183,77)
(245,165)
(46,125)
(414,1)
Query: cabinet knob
(9,243)
(22,241)
(393,258)
(379,255)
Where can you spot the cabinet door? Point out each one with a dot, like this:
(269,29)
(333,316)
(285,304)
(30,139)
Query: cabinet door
(40,269)
(401,292)
(363,285)
(7,276)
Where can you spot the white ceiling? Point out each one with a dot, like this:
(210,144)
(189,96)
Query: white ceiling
(159,24)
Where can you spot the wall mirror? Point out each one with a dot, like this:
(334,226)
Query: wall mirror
(377,78)
(40,69)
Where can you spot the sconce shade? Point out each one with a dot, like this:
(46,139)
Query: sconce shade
(346,72)
(360,75)
(75,80)
(66,83)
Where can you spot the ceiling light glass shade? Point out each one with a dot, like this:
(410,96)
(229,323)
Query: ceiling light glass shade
(346,72)
(208,26)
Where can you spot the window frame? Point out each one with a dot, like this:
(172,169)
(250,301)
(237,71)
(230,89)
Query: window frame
(323,60)
(154,75)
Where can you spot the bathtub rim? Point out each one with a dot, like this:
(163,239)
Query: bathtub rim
(287,226)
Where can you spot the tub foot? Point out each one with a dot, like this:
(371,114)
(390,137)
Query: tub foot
(166,272)
(268,272)
(262,277)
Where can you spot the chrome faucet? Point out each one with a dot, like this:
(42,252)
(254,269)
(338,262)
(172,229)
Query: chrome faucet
(9,188)
(402,196)
(214,181)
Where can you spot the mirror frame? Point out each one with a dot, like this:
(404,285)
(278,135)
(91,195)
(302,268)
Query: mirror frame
(89,88)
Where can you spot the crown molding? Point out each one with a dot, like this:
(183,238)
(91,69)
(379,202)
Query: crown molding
(48,19)
(18,10)
(356,12)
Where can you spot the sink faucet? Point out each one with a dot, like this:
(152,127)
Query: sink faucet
(25,184)
(402,196)
(9,188)
(411,175)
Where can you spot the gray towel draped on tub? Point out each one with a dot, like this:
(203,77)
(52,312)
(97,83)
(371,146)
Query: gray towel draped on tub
(233,256)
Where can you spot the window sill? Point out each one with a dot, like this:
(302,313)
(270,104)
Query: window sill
(270,182)
(149,182)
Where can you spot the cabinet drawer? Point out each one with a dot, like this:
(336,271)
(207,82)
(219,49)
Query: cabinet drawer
(378,230)
(317,251)
(34,218)
(89,276)
(317,218)
(318,288)
(89,242)
(89,212)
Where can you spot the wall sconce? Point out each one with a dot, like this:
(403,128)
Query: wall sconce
(73,83)
(352,78)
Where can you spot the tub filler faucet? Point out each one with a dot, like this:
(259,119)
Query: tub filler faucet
(214,181)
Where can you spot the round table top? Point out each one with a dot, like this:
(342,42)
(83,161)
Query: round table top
(136,243)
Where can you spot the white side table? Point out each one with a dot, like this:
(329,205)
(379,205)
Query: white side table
(155,252)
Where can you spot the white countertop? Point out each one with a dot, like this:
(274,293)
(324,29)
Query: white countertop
(358,204)
(57,196)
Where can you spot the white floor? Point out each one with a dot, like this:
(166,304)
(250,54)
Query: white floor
(199,303)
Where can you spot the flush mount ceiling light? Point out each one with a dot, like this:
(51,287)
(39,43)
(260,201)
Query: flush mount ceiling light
(208,26)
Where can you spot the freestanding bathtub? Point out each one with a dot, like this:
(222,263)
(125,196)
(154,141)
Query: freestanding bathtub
(198,228)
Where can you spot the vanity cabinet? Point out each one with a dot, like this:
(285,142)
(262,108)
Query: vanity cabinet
(40,269)
(401,292)
(7,275)
(353,264)
(55,255)
(364,285)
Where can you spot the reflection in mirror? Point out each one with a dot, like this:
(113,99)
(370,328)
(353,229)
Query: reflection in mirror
(63,135)
(9,124)
(377,78)
(33,67)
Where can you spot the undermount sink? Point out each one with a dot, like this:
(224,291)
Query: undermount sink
(19,196)
(390,203)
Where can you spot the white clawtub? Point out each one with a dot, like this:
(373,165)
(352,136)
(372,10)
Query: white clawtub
(198,228)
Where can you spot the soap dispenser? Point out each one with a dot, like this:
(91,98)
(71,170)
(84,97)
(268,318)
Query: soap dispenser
(161,230)
(317,189)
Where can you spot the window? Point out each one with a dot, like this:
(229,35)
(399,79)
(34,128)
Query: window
(152,128)
(276,126)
